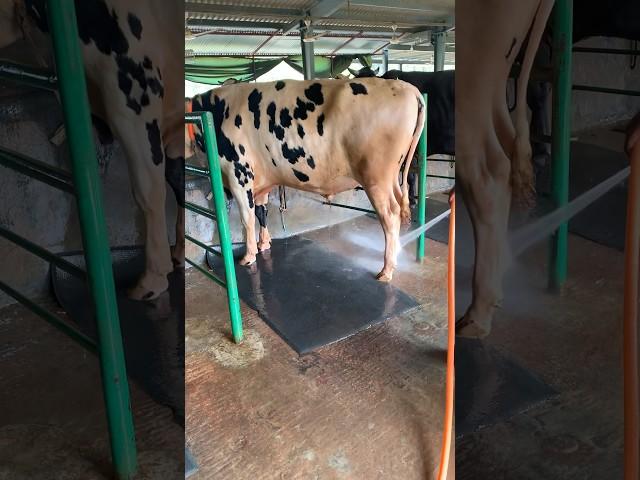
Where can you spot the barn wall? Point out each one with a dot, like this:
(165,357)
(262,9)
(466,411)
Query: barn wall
(593,109)
(44,214)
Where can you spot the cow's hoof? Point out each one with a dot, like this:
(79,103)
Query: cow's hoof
(248,260)
(466,328)
(265,247)
(148,288)
(384,277)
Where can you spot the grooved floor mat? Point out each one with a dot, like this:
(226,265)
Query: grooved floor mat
(312,297)
(490,388)
(153,332)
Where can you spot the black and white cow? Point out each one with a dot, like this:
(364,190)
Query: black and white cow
(133,56)
(321,136)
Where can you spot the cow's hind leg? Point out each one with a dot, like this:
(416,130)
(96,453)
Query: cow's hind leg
(488,198)
(174,174)
(388,209)
(261,209)
(243,194)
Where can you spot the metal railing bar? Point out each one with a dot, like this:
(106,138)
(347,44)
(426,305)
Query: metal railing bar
(194,170)
(33,77)
(208,248)
(617,91)
(210,275)
(43,253)
(205,212)
(53,176)
(54,320)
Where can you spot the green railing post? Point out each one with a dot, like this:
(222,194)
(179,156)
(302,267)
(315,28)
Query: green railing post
(223,225)
(73,94)
(561,131)
(422,183)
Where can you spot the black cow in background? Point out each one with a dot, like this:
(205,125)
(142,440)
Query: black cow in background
(619,19)
(440,88)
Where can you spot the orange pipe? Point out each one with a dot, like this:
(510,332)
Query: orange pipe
(447,433)
(630,328)
(190,127)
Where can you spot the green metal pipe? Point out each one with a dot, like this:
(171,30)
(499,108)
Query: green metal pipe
(205,212)
(561,133)
(204,246)
(54,320)
(359,209)
(422,184)
(211,276)
(43,253)
(73,95)
(617,91)
(199,171)
(26,75)
(223,224)
(610,51)
(33,168)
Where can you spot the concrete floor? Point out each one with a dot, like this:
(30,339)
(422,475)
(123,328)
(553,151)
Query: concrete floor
(368,407)
(573,343)
(53,421)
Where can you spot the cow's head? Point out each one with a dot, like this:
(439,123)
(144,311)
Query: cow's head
(364,72)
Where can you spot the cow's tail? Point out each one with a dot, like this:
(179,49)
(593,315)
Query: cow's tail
(420,124)
(522,181)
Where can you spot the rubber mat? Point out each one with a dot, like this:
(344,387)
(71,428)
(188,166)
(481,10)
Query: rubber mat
(312,297)
(491,388)
(153,332)
(603,221)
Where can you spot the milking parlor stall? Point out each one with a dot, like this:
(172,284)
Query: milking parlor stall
(550,389)
(309,353)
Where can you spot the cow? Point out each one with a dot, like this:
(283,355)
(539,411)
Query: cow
(440,88)
(321,136)
(493,151)
(133,58)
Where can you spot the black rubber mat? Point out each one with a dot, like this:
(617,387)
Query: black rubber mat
(312,297)
(603,221)
(491,388)
(153,332)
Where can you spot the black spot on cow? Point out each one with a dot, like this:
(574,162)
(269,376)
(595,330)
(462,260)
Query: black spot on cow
(261,214)
(147,63)
(225,147)
(226,113)
(255,97)
(314,93)
(302,108)
(300,176)
(292,154)
(99,25)
(273,126)
(280,85)
(267,147)
(135,25)
(238,121)
(241,147)
(285,118)
(153,133)
(274,162)
(311,162)
(358,88)
(144,100)
(250,198)
(156,86)
(301,131)
(321,125)
(174,174)
(159,73)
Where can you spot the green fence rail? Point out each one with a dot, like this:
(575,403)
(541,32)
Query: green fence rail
(422,182)
(84,183)
(205,120)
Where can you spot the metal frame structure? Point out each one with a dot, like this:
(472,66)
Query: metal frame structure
(84,184)
(214,174)
(561,127)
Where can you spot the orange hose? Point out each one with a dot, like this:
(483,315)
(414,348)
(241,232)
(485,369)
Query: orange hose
(630,328)
(451,340)
(190,127)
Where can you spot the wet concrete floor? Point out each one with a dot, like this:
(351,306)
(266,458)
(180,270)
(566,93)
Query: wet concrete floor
(368,407)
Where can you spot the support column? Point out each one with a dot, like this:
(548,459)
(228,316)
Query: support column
(560,136)
(438,50)
(385,61)
(307,53)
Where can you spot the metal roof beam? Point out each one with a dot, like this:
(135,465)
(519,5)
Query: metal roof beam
(417,5)
(322,8)
(211,9)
